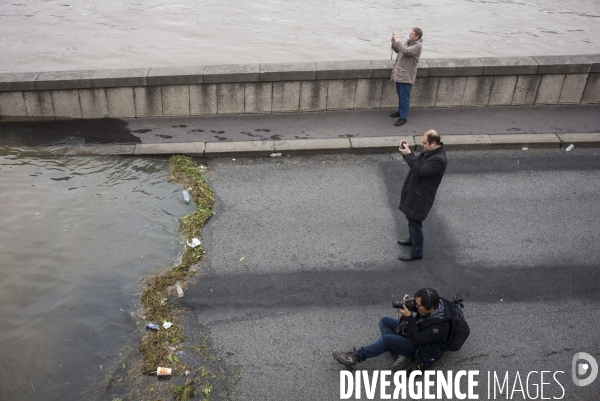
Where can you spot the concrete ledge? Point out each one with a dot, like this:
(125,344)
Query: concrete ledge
(189,148)
(233,149)
(39,105)
(298,87)
(563,64)
(379,144)
(344,69)
(591,140)
(312,146)
(422,68)
(100,150)
(509,65)
(13,106)
(18,81)
(176,76)
(64,80)
(463,142)
(515,141)
(216,74)
(288,72)
(454,67)
(382,68)
(591,93)
(595,60)
(120,77)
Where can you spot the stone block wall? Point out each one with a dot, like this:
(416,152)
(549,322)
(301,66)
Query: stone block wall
(297,87)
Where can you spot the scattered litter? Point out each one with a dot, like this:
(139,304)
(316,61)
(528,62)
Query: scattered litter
(195,242)
(179,290)
(186,196)
(525,148)
(167,325)
(152,326)
(570,147)
(242,258)
(163,371)
(162,301)
(275,155)
(187,372)
(233,159)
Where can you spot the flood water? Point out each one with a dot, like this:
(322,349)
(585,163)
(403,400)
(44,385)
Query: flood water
(78,235)
(54,35)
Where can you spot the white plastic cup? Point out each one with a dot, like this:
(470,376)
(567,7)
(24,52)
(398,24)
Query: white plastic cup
(163,371)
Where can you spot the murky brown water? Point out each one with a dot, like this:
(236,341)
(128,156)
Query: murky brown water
(78,234)
(65,34)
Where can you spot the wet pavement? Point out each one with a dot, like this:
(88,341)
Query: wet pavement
(332,124)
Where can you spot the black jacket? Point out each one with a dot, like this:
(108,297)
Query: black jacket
(429,336)
(422,182)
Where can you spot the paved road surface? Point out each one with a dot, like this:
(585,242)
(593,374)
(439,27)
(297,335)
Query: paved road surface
(515,232)
(332,124)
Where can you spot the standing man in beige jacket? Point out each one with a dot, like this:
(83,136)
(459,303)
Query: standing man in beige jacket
(405,70)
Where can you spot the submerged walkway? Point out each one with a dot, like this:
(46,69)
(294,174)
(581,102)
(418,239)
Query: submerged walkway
(320,132)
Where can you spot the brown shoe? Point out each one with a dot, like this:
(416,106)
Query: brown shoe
(346,358)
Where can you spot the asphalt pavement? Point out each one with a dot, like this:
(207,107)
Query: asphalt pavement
(302,259)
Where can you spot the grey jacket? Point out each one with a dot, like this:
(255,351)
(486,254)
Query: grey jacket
(405,67)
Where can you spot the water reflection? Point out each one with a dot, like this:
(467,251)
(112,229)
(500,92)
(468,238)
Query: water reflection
(78,235)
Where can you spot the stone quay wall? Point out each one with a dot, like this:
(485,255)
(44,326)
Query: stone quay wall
(297,87)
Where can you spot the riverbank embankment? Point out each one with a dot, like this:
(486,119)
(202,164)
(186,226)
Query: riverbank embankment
(296,87)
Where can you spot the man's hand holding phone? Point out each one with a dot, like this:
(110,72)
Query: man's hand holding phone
(404,149)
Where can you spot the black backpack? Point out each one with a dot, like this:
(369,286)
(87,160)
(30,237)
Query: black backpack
(459,328)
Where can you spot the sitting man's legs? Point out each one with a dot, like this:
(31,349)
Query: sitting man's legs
(395,344)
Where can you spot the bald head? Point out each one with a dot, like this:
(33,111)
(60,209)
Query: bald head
(431,140)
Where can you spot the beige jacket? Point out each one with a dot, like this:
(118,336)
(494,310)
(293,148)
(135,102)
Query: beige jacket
(405,67)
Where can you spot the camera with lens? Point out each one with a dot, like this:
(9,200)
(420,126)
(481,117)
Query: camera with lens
(410,304)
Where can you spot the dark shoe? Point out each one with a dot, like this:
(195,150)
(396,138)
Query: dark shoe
(409,257)
(395,114)
(346,358)
(400,122)
(405,242)
(402,363)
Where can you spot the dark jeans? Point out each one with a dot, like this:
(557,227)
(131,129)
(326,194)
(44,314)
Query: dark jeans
(403,91)
(394,343)
(415,230)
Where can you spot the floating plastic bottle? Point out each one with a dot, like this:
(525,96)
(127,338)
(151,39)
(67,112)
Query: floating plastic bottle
(570,147)
(186,196)
(152,326)
(275,155)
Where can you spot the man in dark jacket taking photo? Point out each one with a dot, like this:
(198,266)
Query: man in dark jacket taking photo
(419,189)
(419,338)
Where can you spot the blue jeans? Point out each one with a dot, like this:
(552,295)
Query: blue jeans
(403,91)
(394,343)
(415,230)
